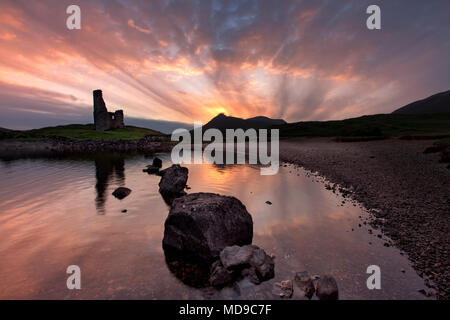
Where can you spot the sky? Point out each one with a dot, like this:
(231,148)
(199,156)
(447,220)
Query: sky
(186,61)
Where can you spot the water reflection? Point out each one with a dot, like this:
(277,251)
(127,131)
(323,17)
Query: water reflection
(44,230)
(107,167)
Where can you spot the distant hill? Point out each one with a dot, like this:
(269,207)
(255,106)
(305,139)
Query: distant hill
(223,122)
(375,126)
(438,103)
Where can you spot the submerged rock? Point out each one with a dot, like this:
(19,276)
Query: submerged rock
(173,180)
(157,163)
(121,193)
(305,283)
(327,289)
(151,169)
(242,262)
(201,225)
(263,264)
(252,260)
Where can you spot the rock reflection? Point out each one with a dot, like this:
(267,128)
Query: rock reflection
(106,168)
(191,273)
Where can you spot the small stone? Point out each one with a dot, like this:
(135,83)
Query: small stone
(283,289)
(124,211)
(157,162)
(220,276)
(268,202)
(256,264)
(121,192)
(305,283)
(151,170)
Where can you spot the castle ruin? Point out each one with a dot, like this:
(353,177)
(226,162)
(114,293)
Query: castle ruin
(104,120)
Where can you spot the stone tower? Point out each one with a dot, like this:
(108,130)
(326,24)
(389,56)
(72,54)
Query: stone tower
(104,120)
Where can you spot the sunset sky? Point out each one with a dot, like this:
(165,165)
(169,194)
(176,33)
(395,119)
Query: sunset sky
(190,60)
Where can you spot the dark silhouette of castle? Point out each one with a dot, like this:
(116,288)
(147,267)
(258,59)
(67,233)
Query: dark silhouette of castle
(104,120)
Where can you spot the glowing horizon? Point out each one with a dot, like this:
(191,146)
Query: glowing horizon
(186,61)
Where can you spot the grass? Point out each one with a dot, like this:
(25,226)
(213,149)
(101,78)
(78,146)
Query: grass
(78,132)
(381,126)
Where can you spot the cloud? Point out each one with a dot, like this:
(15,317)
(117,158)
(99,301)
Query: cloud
(185,60)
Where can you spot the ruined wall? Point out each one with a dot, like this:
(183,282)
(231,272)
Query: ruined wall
(104,120)
(116,120)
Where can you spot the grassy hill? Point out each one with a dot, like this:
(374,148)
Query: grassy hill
(438,103)
(78,132)
(374,126)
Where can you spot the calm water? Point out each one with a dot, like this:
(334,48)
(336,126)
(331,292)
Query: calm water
(60,212)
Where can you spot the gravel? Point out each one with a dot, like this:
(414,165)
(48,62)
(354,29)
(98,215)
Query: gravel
(406,191)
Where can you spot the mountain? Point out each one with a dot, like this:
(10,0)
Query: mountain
(223,122)
(438,103)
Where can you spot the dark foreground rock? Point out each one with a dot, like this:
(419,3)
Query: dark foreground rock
(150,169)
(201,225)
(173,180)
(237,262)
(252,260)
(327,289)
(121,193)
(220,276)
(157,163)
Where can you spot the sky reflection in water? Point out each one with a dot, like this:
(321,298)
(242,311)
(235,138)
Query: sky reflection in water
(60,212)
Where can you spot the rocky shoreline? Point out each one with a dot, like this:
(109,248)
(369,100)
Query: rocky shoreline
(63,146)
(405,189)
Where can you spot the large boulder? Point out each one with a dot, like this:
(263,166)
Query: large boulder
(201,225)
(173,180)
